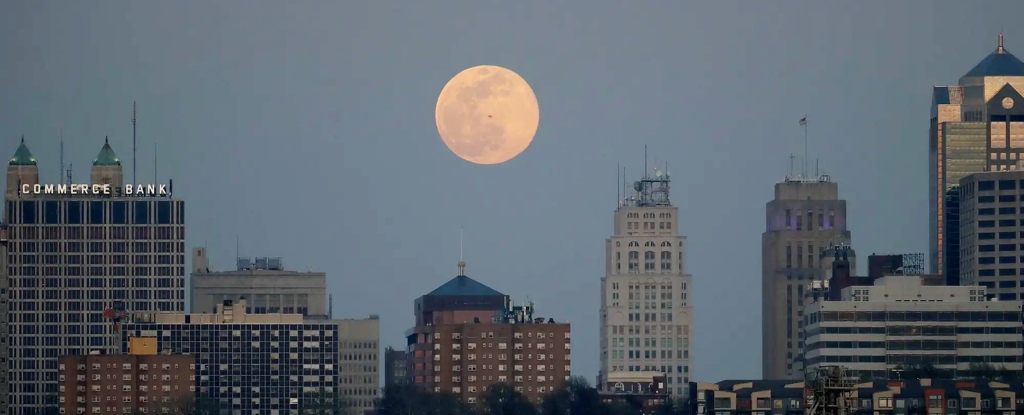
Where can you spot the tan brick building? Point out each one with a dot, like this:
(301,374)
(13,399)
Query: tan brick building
(466,340)
(108,384)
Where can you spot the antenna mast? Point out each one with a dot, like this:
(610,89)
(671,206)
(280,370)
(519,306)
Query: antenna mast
(133,142)
(61,174)
(805,145)
(618,191)
(645,161)
(462,264)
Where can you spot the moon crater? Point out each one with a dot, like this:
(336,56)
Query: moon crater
(487,115)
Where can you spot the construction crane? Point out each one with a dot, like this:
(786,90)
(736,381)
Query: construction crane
(117,315)
(831,391)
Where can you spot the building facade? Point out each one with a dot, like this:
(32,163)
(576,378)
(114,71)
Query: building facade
(646,309)
(268,364)
(263,282)
(75,250)
(125,383)
(395,367)
(992,233)
(913,396)
(4,325)
(469,337)
(977,125)
(900,323)
(805,220)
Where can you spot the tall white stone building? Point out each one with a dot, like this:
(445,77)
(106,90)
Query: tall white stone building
(646,313)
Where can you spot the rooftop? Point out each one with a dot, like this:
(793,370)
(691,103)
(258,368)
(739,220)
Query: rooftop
(22,157)
(999,63)
(106,156)
(463,286)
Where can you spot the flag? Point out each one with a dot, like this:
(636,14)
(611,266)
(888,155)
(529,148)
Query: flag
(803,121)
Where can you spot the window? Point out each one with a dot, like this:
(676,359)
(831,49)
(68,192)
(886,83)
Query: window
(884,403)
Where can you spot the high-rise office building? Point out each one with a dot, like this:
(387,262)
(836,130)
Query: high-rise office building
(901,322)
(977,125)
(77,249)
(4,325)
(646,312)
(395,367)
(992,233)
(263,282)
(804,221)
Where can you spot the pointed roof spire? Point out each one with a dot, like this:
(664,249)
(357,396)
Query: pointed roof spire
(22,157)
(998,63)
(106,156)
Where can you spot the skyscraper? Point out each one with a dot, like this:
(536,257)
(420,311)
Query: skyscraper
(646,314)
(77,249)
(975,126)
(804,220)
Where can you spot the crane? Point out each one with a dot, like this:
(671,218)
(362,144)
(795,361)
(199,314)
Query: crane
(117,314)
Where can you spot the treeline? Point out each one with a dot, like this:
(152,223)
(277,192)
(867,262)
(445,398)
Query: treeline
(575,397)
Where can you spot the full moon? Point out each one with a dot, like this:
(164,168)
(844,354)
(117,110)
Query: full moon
(487,115)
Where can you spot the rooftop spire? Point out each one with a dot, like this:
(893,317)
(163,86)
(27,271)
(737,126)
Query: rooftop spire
(1000,49)
(22,157)
(462,264)
(106,156)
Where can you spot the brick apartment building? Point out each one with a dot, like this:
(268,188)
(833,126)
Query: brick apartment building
(469,337)
(109,384)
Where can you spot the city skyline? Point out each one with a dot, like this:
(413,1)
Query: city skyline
(273,135)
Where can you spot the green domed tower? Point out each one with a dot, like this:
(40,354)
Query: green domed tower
(22,170)
(106,168)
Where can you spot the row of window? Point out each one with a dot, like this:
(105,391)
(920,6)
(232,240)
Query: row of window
(959,316)
(96,212)
(916,359)
(913,345)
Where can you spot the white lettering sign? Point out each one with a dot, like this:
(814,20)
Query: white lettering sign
(93,189)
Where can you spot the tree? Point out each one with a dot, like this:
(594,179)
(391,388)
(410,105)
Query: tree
(324,403)
(503,399)
(574,397)
(406,399)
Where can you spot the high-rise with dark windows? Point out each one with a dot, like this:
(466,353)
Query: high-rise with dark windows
(806,218)
(992,233)
(77,249)
(976,126)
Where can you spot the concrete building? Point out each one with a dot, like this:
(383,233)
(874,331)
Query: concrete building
(124,383)
(776,397)
(75,250)
(899,322)
(646,312)
(268,364)
(263,282)
(5,351)
(395,367)
(648,390)
(975,126)
(805,219)
(992,233)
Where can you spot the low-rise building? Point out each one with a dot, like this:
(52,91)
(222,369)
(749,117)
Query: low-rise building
(269,363)
(124,383)
(920,396)
(899,322)
(395,366)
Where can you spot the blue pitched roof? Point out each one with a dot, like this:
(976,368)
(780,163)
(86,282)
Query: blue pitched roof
(999,63)
(463,285)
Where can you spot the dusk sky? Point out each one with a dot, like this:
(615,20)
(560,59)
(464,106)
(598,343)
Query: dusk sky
(306,130)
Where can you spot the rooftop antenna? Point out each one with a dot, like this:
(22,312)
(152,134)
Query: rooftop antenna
(817,167)
(792,158)
(803,123)
(618,191)
(70,168)
(1000,49)
(133,142)
(645,161)
(462,264)
(238,254)
(330,306)
(61,174)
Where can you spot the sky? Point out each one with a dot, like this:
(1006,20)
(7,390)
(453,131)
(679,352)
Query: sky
(305,130)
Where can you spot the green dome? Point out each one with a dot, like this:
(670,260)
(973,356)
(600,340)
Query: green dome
(22,157)
(106,156)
